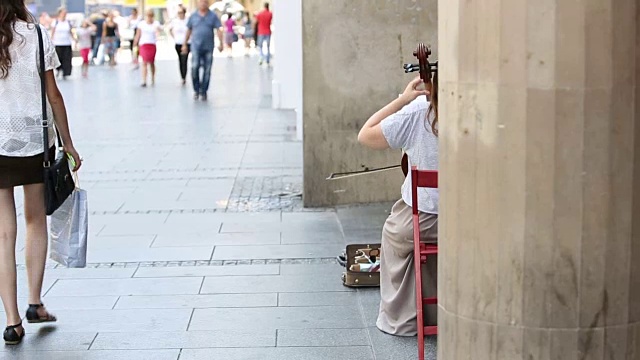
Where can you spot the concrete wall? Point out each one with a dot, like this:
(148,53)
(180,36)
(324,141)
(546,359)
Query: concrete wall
(287,65)
(353,51)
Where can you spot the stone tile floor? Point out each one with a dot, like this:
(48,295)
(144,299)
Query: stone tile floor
(199,245)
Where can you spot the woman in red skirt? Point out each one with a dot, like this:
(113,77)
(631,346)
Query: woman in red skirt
(21,157)
(146,38)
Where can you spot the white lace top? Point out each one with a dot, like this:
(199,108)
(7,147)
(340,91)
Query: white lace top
(20,99)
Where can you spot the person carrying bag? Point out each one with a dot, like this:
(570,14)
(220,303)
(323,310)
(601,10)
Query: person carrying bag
(27,63)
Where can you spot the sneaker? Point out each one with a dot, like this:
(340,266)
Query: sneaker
(196,96)
(203,96)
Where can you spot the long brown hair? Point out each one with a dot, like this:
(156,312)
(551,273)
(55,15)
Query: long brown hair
(433,106)
(10,12)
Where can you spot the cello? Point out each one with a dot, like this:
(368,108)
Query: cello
(426,70)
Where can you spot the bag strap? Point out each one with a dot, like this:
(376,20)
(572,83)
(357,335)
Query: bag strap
(43,98)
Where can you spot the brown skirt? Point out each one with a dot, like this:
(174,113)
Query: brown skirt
(18,171)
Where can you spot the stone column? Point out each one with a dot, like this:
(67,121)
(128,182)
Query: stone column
(540,179)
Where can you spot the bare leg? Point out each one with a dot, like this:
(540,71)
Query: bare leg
(153,73)
(36,249)
(144,73)
(8,233)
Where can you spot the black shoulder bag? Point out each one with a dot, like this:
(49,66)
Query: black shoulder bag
(58,182)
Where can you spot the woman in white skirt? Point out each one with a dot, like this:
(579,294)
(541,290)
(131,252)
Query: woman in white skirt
(409,122)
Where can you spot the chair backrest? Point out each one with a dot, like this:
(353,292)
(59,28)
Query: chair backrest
(421,178)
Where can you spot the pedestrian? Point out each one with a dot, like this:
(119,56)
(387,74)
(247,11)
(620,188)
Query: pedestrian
(178,30)
(62,37)
(109,38)
(264,19)
(22,156)
(83,35)
(229,34)
(202,25)
(409,122)
(134,20)
(146,39)
(248,33)
(99,23)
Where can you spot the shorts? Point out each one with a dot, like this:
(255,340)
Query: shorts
(148,53)
(85,55)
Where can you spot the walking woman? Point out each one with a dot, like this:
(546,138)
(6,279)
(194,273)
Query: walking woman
(110,37)
(248,33)
(229,34)
(146,38)
(62,38)
(178,31)
(83,34)
(409,122)
(21,157)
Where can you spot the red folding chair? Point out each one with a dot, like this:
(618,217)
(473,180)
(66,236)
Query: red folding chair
(428,179)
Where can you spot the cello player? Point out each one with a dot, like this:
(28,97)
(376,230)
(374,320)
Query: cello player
(409,122)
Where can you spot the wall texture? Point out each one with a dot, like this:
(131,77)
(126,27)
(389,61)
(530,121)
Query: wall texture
(353,52)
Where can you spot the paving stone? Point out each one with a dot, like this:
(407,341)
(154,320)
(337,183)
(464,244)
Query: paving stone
(138,254)
(314,237)
(177,219)
(333,270)
(398,347)
(276,251)
(370,304)
(47,338)
(64,273)
(318,299)
(369,236)
(99,243)
(199,271)
(281,353)
(302,226)
(237,239)
(123,287)
(337,317)
(56,303)
(272,284)
(184,339)
(94,355)
(364,217)
(197,301)
(141,320)
(323,337)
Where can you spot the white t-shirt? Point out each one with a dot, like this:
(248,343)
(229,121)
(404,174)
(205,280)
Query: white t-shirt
(148,32)
(20,102)
(409,129)
(179,28)
(84,37)
(62,34)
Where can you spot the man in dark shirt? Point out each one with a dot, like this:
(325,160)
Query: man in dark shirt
(201,26)
(96,44)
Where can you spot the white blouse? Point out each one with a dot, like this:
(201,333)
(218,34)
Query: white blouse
(20,99)
(148,32)
(62,34)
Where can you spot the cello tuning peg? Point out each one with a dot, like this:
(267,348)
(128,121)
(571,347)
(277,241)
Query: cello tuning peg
(408,66)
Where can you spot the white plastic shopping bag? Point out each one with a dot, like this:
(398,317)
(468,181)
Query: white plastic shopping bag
(69,229)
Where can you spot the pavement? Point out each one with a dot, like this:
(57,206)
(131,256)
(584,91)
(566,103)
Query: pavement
(199,245)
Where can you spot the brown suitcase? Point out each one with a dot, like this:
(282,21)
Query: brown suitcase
(359,279)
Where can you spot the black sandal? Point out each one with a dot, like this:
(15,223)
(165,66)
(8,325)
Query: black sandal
(11,336)
(34,318)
